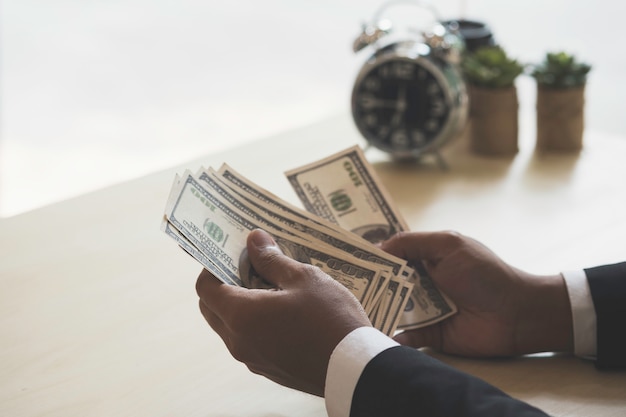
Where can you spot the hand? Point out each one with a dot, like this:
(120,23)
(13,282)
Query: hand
(503,311)
(286,334)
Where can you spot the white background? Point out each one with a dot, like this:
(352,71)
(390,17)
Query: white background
(98,92)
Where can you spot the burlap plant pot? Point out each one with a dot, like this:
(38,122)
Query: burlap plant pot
(494,120)
(560,119)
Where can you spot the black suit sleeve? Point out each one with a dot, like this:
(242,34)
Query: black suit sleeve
(403,381)
(608,291)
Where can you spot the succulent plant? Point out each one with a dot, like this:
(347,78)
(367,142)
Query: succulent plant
(560,70)
(490,67)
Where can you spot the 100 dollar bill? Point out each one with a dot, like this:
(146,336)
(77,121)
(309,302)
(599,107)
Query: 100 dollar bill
(264,204)
(219,230)
(344,189)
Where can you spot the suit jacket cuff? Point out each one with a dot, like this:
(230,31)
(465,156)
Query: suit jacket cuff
(607,284)
(583,313)
(346,364)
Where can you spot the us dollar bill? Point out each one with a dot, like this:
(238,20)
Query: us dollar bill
(194,252)
(344,189)
(219,230)
(186,245)
(277,216)
(264,203)
(388,310)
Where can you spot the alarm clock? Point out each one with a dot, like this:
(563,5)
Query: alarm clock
(409,97)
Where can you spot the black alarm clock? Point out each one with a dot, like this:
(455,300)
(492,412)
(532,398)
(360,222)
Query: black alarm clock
(409,97)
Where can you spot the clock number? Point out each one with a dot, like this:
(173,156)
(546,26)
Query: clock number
(433,89)
(438,107)
(431,125)
(367,101)
(399,139)
(396,119)
(383,132)
(403,70)
(418,137)
(384,71)
(398,70)
(371,83)
(370,120)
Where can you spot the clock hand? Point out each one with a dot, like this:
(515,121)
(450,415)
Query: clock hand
(400,107)
(372,102)
(401,102)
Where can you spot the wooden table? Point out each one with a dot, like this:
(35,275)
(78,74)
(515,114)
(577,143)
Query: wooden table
(98,311)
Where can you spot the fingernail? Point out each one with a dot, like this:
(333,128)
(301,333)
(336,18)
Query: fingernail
(262,239)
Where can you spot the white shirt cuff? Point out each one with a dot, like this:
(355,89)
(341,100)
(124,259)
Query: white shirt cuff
(583,313)
(346,364)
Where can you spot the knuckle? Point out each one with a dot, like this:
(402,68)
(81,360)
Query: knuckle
(271,254)
(270,260)
(237,322)
(238,352)
(400,236)
(309,272)
(206,280)
(252,368)
(453,238)
(308,269)
(200,284)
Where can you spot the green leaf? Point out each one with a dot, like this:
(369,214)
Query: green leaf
(490,67)
(560,70)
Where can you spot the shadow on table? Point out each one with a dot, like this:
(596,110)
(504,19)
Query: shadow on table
(554,375)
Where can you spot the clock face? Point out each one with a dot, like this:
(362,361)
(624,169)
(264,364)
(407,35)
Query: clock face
(400,106)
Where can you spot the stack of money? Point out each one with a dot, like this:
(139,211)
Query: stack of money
(210,213)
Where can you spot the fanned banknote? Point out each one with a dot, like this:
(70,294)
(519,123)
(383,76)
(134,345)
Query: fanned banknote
(344,189)
(210,218)
(294,218)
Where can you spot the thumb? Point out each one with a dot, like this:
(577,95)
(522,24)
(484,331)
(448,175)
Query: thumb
(267,260)
(427,246)
(425,337)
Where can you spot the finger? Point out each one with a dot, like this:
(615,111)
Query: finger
(429,246)
(215,295)
(217,325)
(207,285)
(425,337)
(214,321)
(268,259)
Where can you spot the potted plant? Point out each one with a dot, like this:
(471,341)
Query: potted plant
(561,81)
(490,76)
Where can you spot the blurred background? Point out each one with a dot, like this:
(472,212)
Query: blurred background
(93,93)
